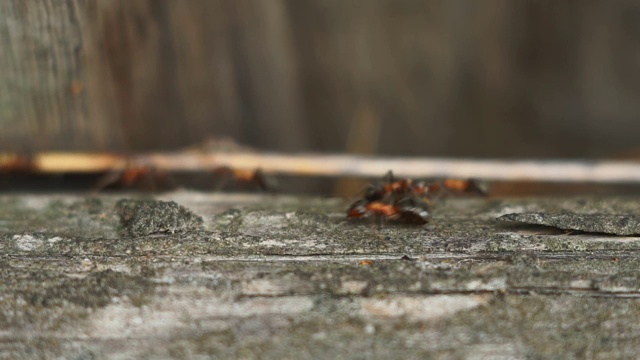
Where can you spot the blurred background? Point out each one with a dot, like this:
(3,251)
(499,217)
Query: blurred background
(460,78)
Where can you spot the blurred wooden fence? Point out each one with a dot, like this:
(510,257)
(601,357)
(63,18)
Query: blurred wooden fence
(452,77)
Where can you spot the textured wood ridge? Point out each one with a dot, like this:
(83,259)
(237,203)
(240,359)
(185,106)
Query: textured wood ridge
(283,277)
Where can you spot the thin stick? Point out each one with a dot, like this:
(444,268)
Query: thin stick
(341,165)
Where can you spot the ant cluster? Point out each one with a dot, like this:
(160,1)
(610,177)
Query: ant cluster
(150,178)
(406,200)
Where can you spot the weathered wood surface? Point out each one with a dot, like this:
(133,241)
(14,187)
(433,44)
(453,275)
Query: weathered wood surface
(395,77)
(282,277)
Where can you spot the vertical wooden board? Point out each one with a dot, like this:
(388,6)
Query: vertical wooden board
(485,97)
(131,76)
(438,77)
(133,73)
(396,60)
(238,73)
(207,79)
(173,73)
(578,69)
(267,71)
(42,91)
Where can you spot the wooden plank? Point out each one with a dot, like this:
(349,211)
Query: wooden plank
(441,78)
(105,75)
(275,276)
(43,96)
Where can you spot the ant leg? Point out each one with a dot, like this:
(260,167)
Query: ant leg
(107,180)
(222,183)
(266,183)
(147,180)
(165,180)
(388,177)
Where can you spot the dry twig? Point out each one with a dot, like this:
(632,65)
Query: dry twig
(336,165)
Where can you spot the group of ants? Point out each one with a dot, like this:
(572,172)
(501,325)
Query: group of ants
(398,200)
(407,201)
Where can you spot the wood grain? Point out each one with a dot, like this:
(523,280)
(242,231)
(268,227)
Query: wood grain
(42,96)
(445,78)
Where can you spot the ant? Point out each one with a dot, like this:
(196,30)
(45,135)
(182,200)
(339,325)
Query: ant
(256,177)
(460,186)
(408,209)
(151,178)
(135,175)
(391,186)
(17,164)
(406,200)
(393,199)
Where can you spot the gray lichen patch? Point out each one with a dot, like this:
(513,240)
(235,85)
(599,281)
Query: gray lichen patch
(552,327)
(422,307)
(145,217)
(74,226)
(283,277)
(313,231)
(204,314)
(372,278)
(58,215)
(47,296)
(580,205)
(616,224)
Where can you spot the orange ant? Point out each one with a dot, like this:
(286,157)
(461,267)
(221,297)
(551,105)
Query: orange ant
(390,186)
(395,199)
(256,177)
(136,176)
(409,209)
(148,177)
(462,186)
(17,164)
